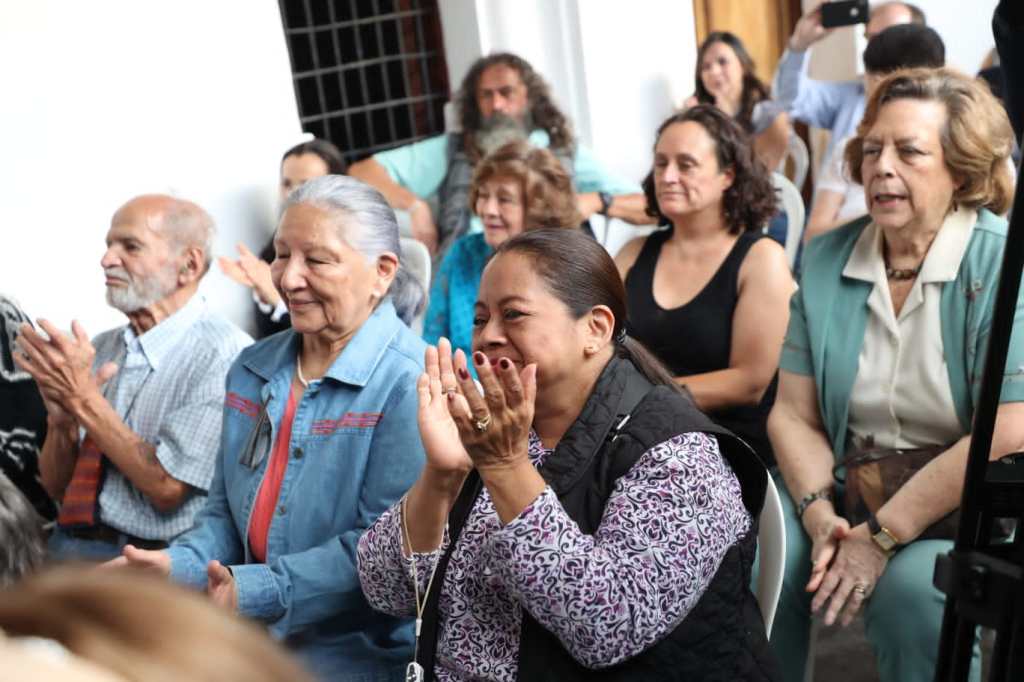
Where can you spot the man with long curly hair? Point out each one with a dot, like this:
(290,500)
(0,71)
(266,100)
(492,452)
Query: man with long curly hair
(502,98)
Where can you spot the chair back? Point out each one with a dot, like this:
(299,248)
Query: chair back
(796,152)
(416,258)
(771,555)
(793,206)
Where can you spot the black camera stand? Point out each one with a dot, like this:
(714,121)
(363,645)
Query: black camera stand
(983,576)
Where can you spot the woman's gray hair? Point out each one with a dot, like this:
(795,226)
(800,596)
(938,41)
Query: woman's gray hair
(22,543)
(371,229)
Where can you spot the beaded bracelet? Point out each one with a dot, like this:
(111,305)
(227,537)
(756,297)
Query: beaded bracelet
(811,498)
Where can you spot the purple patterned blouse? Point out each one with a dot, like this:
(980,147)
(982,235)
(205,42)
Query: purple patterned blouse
(607,596)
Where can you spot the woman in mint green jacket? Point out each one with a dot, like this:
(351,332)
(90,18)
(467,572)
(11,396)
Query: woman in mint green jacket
(886,343)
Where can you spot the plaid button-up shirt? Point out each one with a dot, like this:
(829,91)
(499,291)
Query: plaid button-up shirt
(169,389)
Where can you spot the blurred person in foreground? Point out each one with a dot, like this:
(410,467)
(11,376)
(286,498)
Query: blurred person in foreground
(79,625)
(22,541)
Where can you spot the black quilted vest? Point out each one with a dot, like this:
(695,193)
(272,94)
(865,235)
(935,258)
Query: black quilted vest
(723,636)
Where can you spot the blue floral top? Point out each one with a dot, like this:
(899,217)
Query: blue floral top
(453,292)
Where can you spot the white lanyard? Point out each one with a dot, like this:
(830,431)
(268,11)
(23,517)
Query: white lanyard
(414,671)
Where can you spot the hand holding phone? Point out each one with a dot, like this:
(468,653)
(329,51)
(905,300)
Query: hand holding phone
(808,30)
(844,13)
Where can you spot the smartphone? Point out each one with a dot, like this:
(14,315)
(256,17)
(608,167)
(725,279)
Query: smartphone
(844,13)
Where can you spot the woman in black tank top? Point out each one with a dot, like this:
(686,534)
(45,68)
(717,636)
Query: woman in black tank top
(710,295)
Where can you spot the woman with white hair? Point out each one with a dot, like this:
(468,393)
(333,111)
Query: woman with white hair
(319,439)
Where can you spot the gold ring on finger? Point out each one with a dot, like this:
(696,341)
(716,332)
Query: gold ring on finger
(860,589)
(482,423)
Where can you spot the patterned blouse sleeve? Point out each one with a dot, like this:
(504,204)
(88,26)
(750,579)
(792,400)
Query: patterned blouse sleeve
(386,573)
(664,533)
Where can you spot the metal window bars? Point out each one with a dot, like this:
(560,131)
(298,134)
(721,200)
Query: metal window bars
(368,74)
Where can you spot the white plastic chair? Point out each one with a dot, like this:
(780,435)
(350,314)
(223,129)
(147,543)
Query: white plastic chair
(796,149)
(793,206)
(771,555)
(416,258)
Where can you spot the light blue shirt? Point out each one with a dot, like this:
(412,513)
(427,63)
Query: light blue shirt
(170,391)
(354,450)
(835,106)
(421,167)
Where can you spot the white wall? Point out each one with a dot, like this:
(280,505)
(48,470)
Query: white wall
(966,29)
(104,100)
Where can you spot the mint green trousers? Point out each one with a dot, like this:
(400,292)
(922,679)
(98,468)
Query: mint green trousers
(902,617)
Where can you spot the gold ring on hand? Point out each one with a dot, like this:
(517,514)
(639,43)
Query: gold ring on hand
(860,589)
(482,423)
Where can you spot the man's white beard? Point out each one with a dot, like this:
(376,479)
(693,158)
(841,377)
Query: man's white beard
(499,130)
(140,293)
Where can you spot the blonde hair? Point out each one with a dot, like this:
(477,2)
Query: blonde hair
(142,627)
(549,198)
(976,138)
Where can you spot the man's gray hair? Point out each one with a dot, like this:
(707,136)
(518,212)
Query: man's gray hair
(371,229)
(22,547)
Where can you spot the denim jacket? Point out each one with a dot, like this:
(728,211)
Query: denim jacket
(355,449)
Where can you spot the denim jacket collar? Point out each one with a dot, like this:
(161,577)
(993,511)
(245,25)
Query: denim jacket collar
(357,360)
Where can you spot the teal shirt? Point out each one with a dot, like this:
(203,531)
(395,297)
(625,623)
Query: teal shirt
(828,319)
(453,293)
(421,167)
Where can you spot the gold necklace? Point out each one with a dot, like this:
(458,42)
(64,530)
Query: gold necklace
(902,274)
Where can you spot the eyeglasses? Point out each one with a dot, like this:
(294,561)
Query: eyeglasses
(258,445)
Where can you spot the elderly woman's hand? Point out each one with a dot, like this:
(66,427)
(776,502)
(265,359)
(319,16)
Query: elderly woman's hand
(826,529)
(852,577)
(495,429)
(438,388)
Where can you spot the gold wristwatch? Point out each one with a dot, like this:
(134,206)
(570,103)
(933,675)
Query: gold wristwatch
(883,537)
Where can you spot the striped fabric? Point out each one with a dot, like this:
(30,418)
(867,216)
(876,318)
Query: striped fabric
(79,506)
(351,420)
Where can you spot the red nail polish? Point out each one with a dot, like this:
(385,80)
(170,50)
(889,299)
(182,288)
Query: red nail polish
(479,359)
(463,374)
(505,363)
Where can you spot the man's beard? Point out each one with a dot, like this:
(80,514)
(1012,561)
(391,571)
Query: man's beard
(139,293)
(499,129)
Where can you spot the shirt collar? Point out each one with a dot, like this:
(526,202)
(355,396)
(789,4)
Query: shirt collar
(866,254)
(947,251)
(157,342)
(941,263)
(363,352)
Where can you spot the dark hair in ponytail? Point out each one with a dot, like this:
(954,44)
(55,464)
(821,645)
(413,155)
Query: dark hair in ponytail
(581,274)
